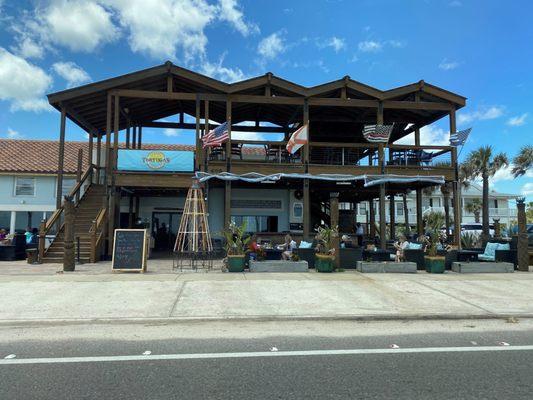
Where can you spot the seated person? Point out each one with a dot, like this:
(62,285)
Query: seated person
(400,246)
(345,242)
(253,247)
(287,247)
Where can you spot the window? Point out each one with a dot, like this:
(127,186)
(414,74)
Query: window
(68,185)
(297,210)
(24,186)
(399,208)
(362,208)
(257,223)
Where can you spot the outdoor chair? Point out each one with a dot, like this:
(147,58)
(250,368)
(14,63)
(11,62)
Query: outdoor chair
(498,252)
(236,150)
(216,153)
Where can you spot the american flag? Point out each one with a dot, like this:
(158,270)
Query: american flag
(216,136)
(459,138)
(377,133)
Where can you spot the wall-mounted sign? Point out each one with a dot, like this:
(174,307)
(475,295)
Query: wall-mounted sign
(155,160)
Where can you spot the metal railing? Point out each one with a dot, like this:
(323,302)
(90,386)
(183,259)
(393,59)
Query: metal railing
(419,156)
(345,154)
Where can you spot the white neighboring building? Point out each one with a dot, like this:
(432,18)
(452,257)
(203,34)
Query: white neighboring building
(28,180)
(502,206)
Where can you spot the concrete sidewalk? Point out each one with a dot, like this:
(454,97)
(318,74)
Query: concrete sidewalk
(82,296)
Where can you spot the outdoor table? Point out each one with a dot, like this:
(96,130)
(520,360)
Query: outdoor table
(467,255)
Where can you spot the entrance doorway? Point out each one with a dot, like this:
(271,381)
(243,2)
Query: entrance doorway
(164,229)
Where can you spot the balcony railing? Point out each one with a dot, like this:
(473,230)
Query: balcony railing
(341,154)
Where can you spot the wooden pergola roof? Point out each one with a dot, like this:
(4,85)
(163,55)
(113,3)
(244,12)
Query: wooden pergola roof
(336,107)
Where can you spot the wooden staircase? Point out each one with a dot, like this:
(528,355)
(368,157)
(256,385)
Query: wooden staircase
(88,209)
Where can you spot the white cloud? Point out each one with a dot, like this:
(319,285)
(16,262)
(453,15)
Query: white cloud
(370,46)
(77,25)
(72,73)
(447,65)
(218,71)
(396,43)
(503,174)
(334,42)
(22,84)
(517,121)
(527,189)
(13,134)
(160,28)
(230,12)
(170,132)
(484,113)
(429,135)
(271,46)
(248,136)
(28,48)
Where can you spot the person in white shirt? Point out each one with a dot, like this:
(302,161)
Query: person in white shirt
(400,246)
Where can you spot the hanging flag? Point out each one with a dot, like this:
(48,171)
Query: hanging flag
(298,139)
(216,136)
(377,133)
(459,138)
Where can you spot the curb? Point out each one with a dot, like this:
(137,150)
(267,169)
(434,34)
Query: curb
(270,318)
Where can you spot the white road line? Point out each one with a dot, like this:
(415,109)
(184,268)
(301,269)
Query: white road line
(299,353)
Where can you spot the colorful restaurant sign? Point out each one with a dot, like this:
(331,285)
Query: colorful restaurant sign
(155,160)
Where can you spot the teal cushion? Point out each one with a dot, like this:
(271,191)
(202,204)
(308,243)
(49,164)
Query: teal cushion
(490,249)
(305,245)
(504,246)
(415,246)
(484,257)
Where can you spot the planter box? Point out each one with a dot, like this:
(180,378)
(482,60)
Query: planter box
(278,266)
(482,267)
(386,267)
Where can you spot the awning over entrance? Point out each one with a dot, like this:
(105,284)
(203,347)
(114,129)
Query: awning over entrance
(369,180)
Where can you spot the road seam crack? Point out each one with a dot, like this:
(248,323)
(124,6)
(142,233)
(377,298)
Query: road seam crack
(178,297)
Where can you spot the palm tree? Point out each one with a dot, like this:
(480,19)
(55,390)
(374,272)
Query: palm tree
(482,163)
(406,214)
(474,207)
(446,189)
(523,161)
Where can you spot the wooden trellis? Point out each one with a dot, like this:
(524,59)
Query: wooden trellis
(193,241)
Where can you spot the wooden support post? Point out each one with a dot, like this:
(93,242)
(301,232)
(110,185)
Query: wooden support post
(306,196)
(417,130)
(79,172)
(108,139)
(522,245)
(372,219)
(130,212)
(382,218)
(419,221)
(227,204)
(91,150)
(128,135)
(457,209)
(69,253)
(228,143)
(61,158)
(206,131)
(392,217)
(140,138)
(98,157)
(137,207)
(113,161)
(198,157)
(42,240)
(334,215)
(134,137)
(306,211)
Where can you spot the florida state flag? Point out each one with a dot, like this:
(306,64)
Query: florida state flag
(298,139)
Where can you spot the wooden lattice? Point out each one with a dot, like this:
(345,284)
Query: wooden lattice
(193,234)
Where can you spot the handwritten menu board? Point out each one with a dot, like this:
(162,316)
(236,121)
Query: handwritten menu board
(129,250)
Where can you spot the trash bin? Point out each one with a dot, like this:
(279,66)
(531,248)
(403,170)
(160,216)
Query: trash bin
(32,256)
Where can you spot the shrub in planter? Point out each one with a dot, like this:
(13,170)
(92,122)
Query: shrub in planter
(236,242)
(434,264)
(325,257)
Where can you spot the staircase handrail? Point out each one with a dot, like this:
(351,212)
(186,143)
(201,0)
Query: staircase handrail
(96,232)
(47,226)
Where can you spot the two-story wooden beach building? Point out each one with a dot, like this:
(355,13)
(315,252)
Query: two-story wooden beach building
(246,179)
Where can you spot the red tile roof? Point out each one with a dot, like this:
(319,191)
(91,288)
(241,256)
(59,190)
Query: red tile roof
(40,156)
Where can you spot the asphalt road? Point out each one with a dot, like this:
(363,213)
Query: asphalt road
(404,372)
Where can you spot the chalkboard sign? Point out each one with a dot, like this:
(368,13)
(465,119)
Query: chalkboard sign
(129,250)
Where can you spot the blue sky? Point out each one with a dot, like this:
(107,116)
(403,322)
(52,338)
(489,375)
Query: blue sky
(479,49)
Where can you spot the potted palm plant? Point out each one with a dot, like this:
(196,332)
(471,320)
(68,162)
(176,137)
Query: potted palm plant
(434,263)
(236,241)
(325,256)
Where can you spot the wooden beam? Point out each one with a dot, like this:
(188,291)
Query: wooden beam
(235,128)
(227,204)
(417,130)
(334,219)
(228,142)
(198,158)
(134,137)
(140,138)
(61,157)
(108,139)
(392,217)
(91,150)
(420,105)
(79,171)
(206,131)
(419,221)
(306,211)
(382,218)
(98,157)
